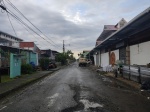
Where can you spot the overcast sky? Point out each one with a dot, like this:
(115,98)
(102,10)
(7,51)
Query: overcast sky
(77,22)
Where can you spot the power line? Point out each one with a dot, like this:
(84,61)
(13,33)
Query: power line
(11,24)
(17,18)
(28,31)
(29,21)
(9,18)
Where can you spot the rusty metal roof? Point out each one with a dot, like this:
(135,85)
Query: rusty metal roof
(107,31)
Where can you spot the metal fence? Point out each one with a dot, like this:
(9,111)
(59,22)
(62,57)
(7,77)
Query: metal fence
(136,73)
(145,73)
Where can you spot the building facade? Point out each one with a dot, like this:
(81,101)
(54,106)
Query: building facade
(129,43)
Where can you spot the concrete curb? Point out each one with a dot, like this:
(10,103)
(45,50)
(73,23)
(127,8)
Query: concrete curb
(144,93)
(136,88)
(4,94)
(125,83)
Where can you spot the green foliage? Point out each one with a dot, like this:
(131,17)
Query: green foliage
(44,62)
(26,69)
(5,78)
(81,55)
(62,57)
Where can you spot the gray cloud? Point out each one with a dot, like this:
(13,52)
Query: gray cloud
(78,22)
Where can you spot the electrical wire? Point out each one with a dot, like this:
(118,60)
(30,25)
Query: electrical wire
(29,21)
(11,25)
(29,31)
(17,18)
(22,22)
(9,18)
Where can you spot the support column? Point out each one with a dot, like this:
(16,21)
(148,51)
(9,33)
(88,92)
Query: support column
(99,58)
(109,52)
(128,55)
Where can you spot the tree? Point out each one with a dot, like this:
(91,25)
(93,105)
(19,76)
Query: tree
(81,55)
(63,57)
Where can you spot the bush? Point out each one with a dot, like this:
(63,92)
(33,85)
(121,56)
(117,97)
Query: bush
(44,62)
(61,57)
(26,68)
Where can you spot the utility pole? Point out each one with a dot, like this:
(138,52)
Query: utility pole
(63,47)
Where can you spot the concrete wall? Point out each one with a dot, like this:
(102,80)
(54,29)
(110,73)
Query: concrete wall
(33,58)
(15,65)
(15,44)
(140,53)
(94,59)
(104,59)
(99,53)
(97,60)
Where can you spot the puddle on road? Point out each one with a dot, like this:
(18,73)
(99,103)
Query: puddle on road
(113,84)
(87,104)
(3,108)
(82,96)
(106,79)
(52,99)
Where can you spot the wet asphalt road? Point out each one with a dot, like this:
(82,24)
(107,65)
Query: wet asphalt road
(75,89)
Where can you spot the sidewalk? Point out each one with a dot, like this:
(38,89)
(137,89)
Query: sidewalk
(130,83)
(7,87)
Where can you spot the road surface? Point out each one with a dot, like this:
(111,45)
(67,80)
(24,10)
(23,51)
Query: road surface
(75,89)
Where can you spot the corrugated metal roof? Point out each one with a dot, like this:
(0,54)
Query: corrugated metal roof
(105,34)
(110,27)
(107,31)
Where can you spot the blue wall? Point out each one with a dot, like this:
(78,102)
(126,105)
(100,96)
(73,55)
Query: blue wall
(15,65)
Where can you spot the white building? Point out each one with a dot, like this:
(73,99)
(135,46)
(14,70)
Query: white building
(130,42)
(9,40)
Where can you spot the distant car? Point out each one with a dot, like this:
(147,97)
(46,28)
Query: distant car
(82,62)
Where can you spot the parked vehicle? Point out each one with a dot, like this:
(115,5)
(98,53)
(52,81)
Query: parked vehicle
(52,65)
(82,61)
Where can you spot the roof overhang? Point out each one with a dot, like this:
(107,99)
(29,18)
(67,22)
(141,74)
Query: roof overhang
(138,24)
(11,35)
